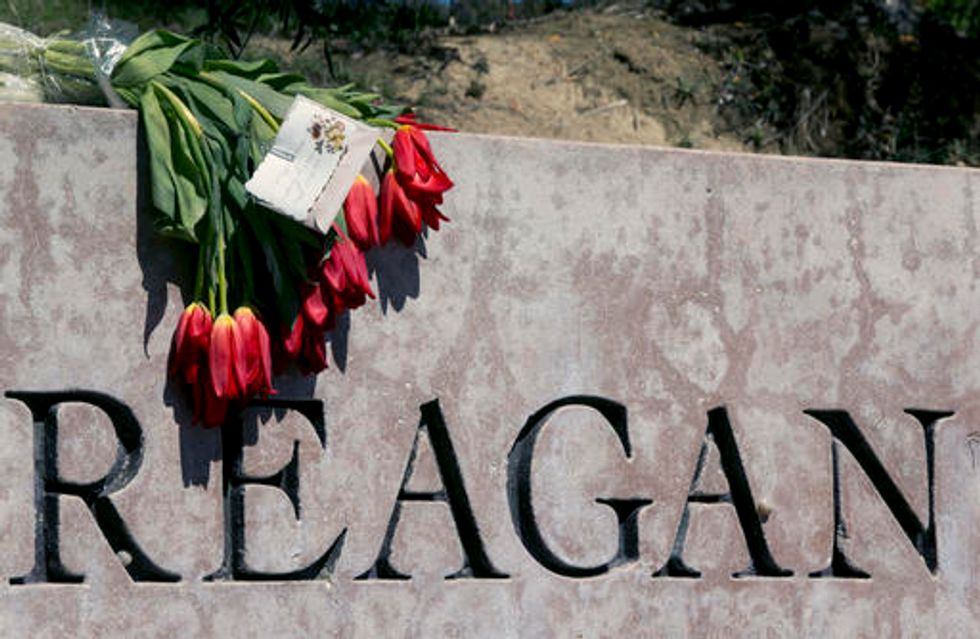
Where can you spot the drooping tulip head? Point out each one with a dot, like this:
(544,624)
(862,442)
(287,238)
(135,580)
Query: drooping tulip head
(258,354)
(227,360)
(431,216)
(316,308)
(345,276)
(400,216)
(417,169)
(189,350)
(209,410)
(361,214)
(305,344)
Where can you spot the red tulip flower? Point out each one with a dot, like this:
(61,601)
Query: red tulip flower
(399,214)
(345,276)
(227,361)
(361,214)
(315,308)
(430,214)
(418,171)
(313,357)
(420,175)
(306,345)
(258,355)
(189,362)
(209,409)
(189,350)
(293,339)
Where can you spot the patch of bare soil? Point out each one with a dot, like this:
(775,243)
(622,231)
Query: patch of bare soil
(618,76)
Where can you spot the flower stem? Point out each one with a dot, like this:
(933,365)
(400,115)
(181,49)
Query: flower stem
(391,124)
(252,102)
(204,269)
(211,300)
(387,149)
(261,110)
(340,233)
(199,278)
(183,113)
(222,280)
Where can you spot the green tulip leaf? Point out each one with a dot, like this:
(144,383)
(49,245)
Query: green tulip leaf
(161,168)
(243,253)
(189,170)
(237,193)
(149,61)
(274,102)
(282,82)
(251,70)
(156,39)
(287,298)
(294,254)
(260,139)
(328,99)
(209,104)
(242,112)
(301,234)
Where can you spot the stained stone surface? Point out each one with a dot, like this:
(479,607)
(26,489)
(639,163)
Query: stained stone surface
(672,282)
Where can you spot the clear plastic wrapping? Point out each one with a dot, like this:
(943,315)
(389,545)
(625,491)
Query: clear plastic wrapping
(70,68)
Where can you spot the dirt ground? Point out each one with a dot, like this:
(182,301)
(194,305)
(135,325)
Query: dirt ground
(619,76)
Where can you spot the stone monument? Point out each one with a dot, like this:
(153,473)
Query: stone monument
(629,392)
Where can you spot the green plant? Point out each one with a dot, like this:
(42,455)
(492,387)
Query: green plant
(963,15)
(850,79)
(683,92)
(481,65)
(476,89)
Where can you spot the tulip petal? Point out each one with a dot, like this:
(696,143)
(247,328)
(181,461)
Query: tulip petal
(403,208)
(256,374)
(404,149)
(200,325)
(225,355)
(240,360)
(314,308)
(333,271)
(361,213)
(432,216)
(179,344)
(360,274)
(314,355)
(421,144)
(215,409)
(294,342)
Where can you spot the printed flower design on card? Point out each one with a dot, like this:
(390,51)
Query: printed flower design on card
(329,134)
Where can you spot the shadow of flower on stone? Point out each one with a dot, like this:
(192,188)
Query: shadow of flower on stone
(395,268)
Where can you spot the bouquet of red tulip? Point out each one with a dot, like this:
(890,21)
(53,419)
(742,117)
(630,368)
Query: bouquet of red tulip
(208,123)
